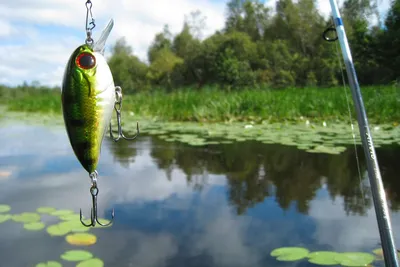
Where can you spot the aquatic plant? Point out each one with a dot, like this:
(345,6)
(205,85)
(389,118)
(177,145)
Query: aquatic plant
(49,264)
(70,227)
(330,139)
(95,262)
(81,239)
(34,226)
(355,259)
(4,208)
(76,255)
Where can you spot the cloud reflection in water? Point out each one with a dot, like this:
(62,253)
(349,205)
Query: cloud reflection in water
(159,222)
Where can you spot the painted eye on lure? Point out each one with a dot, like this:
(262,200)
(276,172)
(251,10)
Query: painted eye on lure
(86,61)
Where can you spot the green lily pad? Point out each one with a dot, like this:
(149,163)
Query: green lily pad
(323,257)
(34,226)
(76,255)
(95,262)
(45,210)
(4,208)
(379,253)
(65,227)
(355,259)
(69,217)
(74,226)
(5,217)
(49,264)
(81,239)
(61,212)
(290,253)
(26,217)
(58,230)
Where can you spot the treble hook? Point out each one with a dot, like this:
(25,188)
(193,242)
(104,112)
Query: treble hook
(93,212)
(117,107)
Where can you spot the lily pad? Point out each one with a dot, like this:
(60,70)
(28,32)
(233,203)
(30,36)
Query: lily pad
(4,217)
(379,253)
(35,226)
(95,262)
(81,239)
(61,212)
(4,208)
(76,255)
(355,259)
(69,217)
(323,257)
(49,264)
(74,226)
(26,217)
(290,253)
(45,210)
(58,229)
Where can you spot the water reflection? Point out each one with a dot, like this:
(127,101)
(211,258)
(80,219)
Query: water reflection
(176,205)
(255,172)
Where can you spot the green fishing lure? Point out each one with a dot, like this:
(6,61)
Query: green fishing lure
(88,97)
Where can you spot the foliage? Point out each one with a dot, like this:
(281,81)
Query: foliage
(238,73)
(259,47)
(324,257)
(210,104)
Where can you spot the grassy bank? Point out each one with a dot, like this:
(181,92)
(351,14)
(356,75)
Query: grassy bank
(381,102)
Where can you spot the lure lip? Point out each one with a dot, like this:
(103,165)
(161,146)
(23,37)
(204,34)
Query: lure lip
(99,45)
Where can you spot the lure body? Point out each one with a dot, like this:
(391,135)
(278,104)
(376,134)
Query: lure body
(88,98)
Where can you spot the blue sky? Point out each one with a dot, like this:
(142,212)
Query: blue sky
(37,37)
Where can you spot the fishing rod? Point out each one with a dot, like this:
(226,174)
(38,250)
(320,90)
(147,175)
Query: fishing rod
(375,179)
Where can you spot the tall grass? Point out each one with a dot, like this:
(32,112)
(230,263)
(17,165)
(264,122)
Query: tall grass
(211,104)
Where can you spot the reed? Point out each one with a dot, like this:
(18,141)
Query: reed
(212,104)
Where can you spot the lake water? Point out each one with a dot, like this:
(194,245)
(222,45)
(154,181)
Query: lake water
(181,206)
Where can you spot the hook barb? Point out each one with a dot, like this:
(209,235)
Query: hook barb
(117,107)
(93,211)
(121,134)
(94,219)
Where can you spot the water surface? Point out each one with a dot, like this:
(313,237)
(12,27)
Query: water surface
(182,206)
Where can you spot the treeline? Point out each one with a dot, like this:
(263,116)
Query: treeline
(257,171)
(260,48)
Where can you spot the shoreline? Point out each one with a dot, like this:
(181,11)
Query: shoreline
(212,105)
(313,137)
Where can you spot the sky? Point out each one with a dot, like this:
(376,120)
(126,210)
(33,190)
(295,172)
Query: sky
(38,37)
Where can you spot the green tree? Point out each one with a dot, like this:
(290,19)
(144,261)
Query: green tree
(161,41)
(233,60)
(162,67)
(390,43)
(187,47)
(128,71)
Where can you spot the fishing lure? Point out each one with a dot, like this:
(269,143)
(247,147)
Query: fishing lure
(88,96)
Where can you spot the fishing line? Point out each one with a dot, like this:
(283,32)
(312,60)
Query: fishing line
(351,120)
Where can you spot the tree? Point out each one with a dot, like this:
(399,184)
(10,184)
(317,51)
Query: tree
(196,23)
(128,71)
(391,42)
(161,41)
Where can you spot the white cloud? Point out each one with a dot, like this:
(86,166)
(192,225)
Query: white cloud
(220,233)
(342,232)
(43,46)
(37,37)
(5,28)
